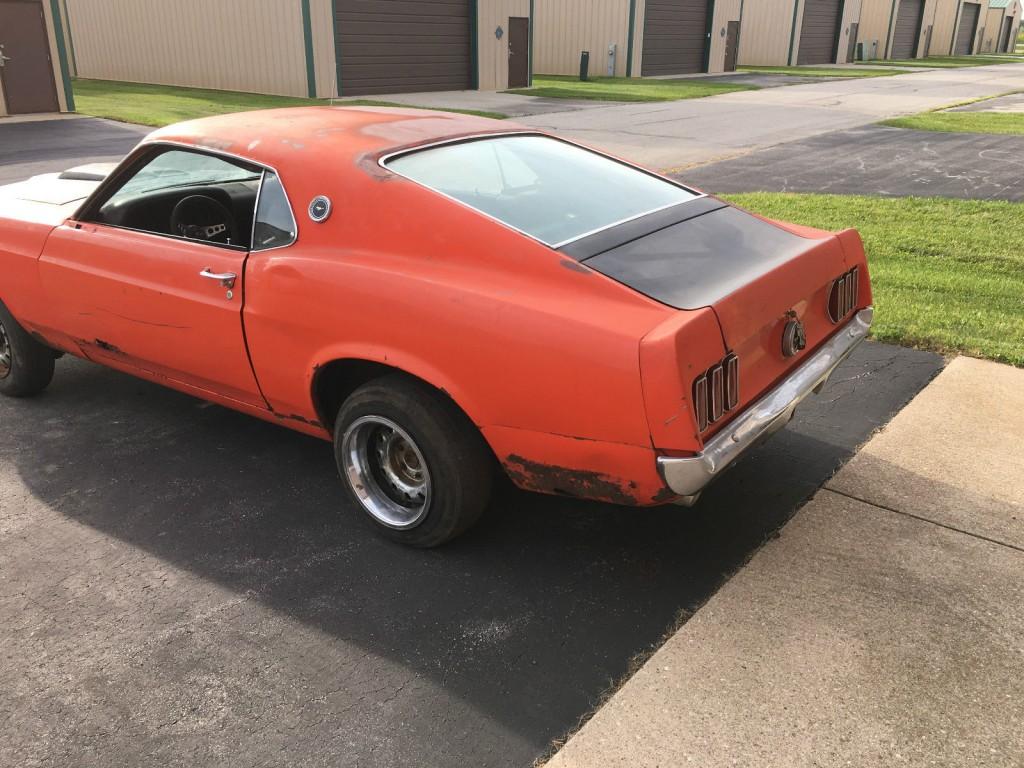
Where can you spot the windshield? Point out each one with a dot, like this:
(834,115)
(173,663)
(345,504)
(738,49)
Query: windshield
(176,168)
(553,191)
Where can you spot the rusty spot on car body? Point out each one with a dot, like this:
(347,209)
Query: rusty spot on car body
(565,481)
(106,346)
(298,418)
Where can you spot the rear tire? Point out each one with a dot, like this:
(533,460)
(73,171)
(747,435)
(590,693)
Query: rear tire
(26,366)
(412,461)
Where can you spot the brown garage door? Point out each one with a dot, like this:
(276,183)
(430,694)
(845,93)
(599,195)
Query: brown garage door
(966,29)
(675,36)
(908,29)
(396,46)
(818,32)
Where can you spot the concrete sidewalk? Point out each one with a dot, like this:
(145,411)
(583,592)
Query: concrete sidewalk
(885,626)
(672,135)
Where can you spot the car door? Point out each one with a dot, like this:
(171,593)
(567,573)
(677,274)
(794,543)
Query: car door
(142,292)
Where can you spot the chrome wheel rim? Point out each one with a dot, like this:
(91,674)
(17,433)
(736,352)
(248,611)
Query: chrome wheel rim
(387,472)
(5,353)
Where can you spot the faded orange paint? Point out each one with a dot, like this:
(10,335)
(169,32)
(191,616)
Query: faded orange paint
(576,381)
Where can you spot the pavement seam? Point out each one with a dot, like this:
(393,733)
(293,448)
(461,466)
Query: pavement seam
(953,528)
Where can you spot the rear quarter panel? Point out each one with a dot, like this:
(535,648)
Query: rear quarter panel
(518,335)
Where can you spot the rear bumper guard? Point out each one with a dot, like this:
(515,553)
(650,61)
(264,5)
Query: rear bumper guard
(689,475)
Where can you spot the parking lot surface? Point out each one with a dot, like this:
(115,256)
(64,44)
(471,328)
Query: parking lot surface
(45,146)
(184,585)
(877,160)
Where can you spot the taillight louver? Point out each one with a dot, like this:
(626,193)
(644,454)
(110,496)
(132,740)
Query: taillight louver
(717,377)
(716,391)
(700,402)
(732,382)
(843,295)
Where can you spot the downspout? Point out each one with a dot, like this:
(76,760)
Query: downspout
(956,25)
(71,39)
(629,41)
(337,48)
(888,38)
(307,41)
(474,45)
(62,55)
(529,54)
(792,33)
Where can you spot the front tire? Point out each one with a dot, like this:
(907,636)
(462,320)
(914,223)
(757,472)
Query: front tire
(26,366)
(412,461)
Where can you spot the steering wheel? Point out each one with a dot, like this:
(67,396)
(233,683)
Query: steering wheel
(201,217)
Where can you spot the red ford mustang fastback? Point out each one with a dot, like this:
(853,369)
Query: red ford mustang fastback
(438,294)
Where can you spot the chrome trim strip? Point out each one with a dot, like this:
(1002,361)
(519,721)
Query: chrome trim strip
(688,475)
(383,160)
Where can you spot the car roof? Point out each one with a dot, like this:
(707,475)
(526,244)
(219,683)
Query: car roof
(329,135)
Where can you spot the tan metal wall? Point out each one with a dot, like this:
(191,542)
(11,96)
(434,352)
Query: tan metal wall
(725,11)
(493,52)
(876,17)
(564,28)
(765,32)
(239,45)
(943,26)
(770,25)
(321,16)
(992,20)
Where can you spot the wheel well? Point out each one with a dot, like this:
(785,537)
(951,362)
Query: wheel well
(335,381)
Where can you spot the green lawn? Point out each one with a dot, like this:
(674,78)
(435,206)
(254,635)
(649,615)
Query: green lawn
(625,88)
(159,105)
(963,122)
(825,71)
(948,275)
(948,61)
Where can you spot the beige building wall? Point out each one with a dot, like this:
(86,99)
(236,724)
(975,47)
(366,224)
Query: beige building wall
(851,15)
(321,17)
(992,20)
(564,28)
(875,18)
(765,32)
(725,11)
(493,53)
(193,43)
(943,26)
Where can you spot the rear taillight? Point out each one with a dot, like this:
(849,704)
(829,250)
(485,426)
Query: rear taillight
(842,297)
(716,392)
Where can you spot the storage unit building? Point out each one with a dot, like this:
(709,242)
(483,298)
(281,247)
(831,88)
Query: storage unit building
(320,48)
(785,32)
(34,73)
(999,31)
(627,38)
(907,29)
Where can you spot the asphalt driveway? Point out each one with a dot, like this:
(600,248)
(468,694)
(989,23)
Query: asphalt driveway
(877,160)
(182,584)
(45,146)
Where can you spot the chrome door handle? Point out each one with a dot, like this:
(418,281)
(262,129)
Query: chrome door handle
(226,279)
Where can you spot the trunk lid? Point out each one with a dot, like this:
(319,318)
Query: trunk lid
(755,275)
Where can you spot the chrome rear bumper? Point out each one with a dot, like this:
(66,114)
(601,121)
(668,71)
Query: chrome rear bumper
(689,475)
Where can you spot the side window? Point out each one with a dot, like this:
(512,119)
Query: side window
(187,194)
(275,224)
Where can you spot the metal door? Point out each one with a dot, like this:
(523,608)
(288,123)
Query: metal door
(732,45)
(26,70)
(518,52)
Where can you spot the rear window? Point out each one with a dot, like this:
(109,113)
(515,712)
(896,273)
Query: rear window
(553,191)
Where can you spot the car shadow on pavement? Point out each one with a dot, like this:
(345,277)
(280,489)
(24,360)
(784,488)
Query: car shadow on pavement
(528,618)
